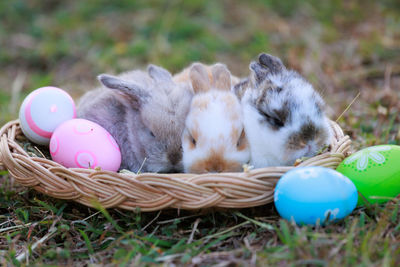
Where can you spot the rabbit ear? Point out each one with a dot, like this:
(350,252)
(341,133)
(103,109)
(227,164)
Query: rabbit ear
(266,64)
(159,74)
(199,78)
(221,77)
(240,88)
(131,89)
(258,73)
(273,64)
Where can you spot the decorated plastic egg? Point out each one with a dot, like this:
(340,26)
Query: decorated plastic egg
(314,194)
(375,171)
(80,143)
(42,111)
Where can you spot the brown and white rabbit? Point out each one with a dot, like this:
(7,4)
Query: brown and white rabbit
(214,139)
(283,115)
(145,112)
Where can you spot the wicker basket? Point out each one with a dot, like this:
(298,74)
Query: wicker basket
(152,191)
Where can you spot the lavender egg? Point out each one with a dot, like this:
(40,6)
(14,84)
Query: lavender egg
(43,110)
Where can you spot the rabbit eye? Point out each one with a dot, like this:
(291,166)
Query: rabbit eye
(241,139)
(277,122)
(152,134)
(193,140)
(274,121)
(190,139)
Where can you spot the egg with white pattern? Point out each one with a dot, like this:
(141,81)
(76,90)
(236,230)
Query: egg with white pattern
(80,143)
(375,171)
(311,195)
(42,111)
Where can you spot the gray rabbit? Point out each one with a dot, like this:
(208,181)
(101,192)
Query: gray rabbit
(145,112)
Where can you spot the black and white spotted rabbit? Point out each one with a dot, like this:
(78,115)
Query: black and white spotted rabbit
(284,116)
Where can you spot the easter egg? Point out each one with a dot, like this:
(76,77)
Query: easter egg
(375,171)
(309,195)
(42,111)
(79,143)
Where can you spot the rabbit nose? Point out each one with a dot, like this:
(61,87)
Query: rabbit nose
(174,157)
(302,144)
(214,167)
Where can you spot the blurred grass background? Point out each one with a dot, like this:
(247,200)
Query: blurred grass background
(342,47)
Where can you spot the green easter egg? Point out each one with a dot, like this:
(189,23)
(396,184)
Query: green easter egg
(375,171)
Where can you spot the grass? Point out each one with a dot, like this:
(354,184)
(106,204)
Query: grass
(343,47)
(74,233)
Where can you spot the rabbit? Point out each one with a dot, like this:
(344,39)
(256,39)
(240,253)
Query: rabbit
(284,116)
(145,112)
(213,139)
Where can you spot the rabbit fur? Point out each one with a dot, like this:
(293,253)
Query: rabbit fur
(145,112)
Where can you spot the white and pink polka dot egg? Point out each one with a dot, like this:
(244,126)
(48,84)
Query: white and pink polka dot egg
(43,110)
(79,143)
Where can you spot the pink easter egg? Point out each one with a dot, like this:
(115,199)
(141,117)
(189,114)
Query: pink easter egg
(79,143)
(43,110)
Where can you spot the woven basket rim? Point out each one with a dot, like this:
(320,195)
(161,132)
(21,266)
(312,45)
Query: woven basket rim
(153,191)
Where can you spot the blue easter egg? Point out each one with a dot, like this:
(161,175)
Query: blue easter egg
(311,194)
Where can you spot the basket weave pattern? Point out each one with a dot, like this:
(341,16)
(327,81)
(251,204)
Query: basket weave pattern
(152,191)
